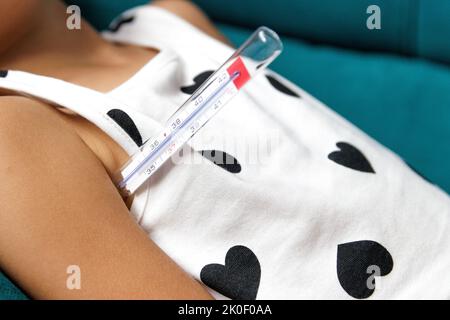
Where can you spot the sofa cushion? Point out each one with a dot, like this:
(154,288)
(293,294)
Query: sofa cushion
(409,27)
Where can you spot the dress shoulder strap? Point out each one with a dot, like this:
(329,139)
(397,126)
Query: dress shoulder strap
(150,26)
(88,103)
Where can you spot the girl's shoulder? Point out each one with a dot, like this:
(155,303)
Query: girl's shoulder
(27,123)
(40,149)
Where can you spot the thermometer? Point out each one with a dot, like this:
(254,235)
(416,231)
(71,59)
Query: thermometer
(252,57)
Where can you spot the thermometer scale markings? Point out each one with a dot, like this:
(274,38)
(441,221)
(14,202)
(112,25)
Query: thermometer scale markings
(233,75)
(254,55)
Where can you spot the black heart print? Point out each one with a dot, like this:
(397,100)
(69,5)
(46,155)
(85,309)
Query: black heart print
(281,87)
(223,160)
(350,157)
(118,24)
(198,81)
(239,278)
(127,124)
(3,73)
(356,263)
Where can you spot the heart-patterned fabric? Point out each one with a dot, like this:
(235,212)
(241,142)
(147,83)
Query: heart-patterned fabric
(323,212)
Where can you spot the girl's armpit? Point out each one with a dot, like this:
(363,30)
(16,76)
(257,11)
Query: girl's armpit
(60,209)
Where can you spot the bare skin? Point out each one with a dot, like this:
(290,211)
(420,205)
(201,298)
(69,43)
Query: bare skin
(59,205)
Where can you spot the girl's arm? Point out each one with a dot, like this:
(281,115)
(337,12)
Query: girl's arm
(192,14)
(59,208)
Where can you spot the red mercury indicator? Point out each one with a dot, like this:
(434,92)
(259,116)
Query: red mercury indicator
(244,76)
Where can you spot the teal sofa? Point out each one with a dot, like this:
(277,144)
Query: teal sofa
(394,83)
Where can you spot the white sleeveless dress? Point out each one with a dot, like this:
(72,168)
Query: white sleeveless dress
(322,213)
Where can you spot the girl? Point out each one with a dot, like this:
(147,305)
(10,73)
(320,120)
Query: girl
(328,209)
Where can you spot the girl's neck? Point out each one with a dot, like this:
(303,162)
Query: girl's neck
(50,45)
